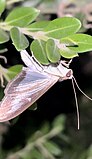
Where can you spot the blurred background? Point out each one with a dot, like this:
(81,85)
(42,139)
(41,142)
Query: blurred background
(50,131)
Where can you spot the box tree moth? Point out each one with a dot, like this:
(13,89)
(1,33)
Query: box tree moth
(30,84)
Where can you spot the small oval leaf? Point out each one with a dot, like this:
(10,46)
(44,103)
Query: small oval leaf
(19,40)
(22,16)
(53,148)
(78,42)
(14,70)
(34,154)
(62,27)
(52,51)
(2,5)
(4,37)
(38,48)
(59,121)
(67,52)
(37,26)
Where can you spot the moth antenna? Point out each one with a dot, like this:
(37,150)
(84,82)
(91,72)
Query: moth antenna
(81,89)
(77,106)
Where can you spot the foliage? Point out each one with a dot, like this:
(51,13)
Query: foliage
(41,144)
(52,39)
(53,141)
(48,41)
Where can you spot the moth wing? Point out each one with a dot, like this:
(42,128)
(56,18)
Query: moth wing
(29,61)
(23,91)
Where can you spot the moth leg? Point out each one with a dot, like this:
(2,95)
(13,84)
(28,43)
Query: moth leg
(4,58)
(65,63)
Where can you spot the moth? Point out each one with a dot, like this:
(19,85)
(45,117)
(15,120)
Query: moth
(29,85)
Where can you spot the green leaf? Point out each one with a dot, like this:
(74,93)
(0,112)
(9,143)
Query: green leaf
(4,37)
(38,48)
(78,42)
(89,153)
(22,16)
(52,51)
(14,70)
(59,121)
(2,5)
(33,106)
(45,128)
(62,27)
(19,40)
(53,148)
(67,52)
(34,154)
(37,26)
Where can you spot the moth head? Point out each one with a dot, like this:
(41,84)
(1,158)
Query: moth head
(68,75)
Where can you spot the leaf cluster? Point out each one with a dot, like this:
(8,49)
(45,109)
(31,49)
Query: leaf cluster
(51,39)
(41,144)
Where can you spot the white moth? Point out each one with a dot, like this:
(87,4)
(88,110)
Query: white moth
(29,85)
